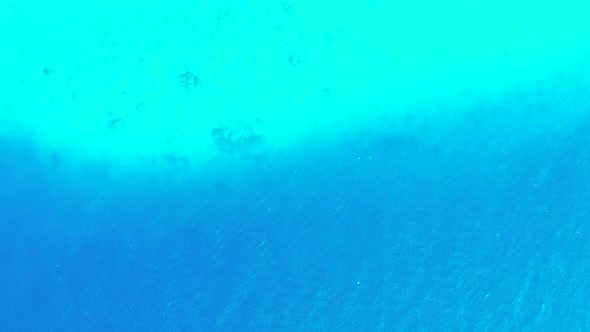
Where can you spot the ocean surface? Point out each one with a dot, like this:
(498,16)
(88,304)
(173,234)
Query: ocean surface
(289,166)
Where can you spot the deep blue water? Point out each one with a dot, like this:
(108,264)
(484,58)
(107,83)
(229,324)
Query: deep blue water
(484,227)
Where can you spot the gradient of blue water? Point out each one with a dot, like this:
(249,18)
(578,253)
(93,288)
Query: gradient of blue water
(484,228)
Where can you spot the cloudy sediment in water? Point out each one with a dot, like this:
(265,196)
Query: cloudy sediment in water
(146,85)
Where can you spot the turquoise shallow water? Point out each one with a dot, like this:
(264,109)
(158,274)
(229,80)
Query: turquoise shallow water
(287,166)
